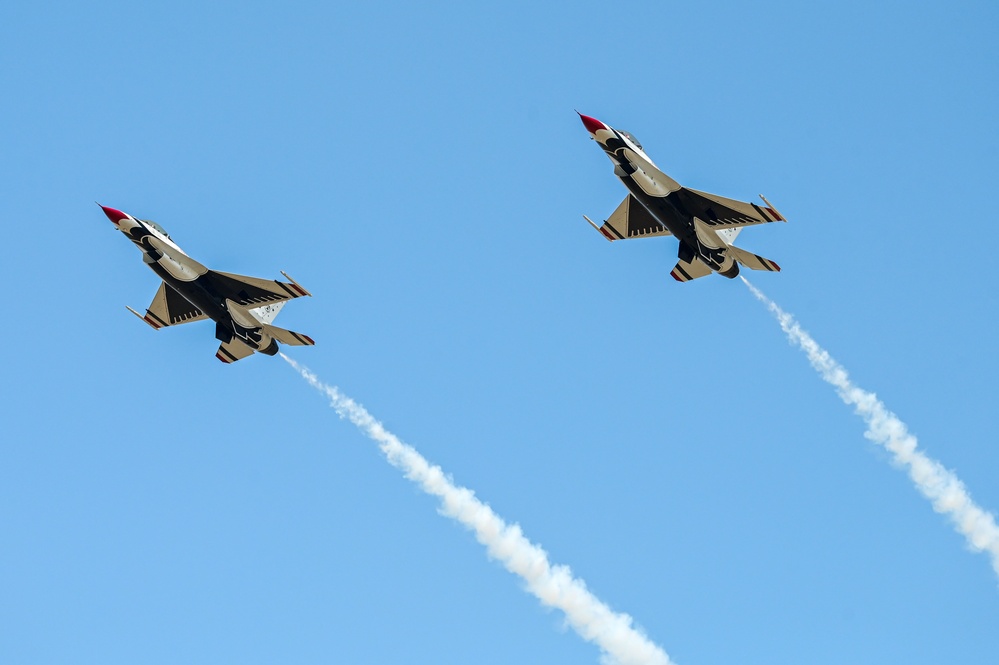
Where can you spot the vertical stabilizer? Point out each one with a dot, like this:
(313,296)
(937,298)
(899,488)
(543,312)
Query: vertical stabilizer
(267,313)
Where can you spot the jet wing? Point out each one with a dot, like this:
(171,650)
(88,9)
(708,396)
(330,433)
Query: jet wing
(719,212)
(253,291)
(631,220)
(169,308)
(233,350)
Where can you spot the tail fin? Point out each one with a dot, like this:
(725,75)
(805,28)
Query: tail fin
(752,261)
(267,313)
(288,337)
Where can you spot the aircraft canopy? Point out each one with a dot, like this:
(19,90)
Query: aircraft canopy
(631,137)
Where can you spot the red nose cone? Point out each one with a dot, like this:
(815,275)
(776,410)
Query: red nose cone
(591,124)
(114,215)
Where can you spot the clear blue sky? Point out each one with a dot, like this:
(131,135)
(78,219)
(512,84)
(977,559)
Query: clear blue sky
(420,168)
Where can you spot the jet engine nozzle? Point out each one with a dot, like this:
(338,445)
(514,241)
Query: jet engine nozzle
(732,272)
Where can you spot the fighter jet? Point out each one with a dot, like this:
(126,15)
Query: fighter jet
(242,307)
(705,224)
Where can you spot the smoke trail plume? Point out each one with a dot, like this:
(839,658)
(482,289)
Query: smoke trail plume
(944,490)
(554,585)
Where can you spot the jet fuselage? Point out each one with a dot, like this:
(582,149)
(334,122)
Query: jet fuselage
(661,196)
(185,275)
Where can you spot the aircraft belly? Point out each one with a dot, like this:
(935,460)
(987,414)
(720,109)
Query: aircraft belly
(661,208)
(195,294)
(178,270)
(177,263)
(658,181)
(233,318)
(648,184)
(241,316)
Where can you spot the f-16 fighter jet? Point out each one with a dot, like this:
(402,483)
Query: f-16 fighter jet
(705,224)
(242,307)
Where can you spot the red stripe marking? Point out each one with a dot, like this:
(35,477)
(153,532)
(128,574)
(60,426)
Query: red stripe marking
(298,288)
(148,320)
(309,339)
(774,213)
(776,267)
(607,234)
(675,275)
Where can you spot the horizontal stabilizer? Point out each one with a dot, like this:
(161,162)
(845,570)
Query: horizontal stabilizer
(752,261)
(288,337)
(233,350)
(684,271)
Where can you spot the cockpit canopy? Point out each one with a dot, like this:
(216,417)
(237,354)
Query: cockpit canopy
(631,138)
(155,226)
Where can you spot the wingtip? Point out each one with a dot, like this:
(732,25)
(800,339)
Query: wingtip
(302,290)
(602,230)
(775,211)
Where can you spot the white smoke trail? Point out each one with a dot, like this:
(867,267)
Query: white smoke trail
(554,585)
(946,492)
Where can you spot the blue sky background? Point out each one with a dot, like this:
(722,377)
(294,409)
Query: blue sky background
(421,170)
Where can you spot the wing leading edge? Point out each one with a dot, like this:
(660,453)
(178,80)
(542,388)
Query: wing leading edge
(253,291)
(719,212)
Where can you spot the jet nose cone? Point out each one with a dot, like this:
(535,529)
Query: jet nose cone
(591,124)
(114,215)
